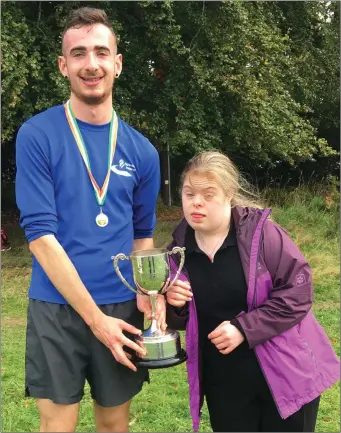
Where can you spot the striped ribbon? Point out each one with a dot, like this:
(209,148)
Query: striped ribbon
(100,193)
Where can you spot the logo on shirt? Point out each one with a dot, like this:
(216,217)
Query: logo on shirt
(300,279)
(123,168)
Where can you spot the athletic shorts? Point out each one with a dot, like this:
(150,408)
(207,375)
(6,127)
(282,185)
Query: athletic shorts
(62,352)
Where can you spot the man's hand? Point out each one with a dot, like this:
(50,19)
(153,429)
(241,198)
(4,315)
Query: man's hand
(226,337)
(144,304)
(179,293)
(109,331)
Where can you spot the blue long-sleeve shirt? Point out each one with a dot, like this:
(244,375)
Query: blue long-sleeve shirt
(55,196)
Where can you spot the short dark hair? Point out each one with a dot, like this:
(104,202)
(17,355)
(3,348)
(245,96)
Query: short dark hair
(86,16)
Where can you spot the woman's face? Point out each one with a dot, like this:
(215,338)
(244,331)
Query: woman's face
(205,204)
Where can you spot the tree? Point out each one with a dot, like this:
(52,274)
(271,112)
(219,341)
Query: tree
(243,77)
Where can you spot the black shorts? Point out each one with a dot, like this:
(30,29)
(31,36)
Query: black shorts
(62,352)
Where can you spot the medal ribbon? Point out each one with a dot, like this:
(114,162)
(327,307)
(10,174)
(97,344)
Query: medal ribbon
(100,193)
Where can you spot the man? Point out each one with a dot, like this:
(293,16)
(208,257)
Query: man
(82,201)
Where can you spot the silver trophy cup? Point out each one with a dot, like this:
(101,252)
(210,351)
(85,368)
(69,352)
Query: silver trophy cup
(151,272)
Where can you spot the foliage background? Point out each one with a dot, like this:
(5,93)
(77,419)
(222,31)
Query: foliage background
(258,80)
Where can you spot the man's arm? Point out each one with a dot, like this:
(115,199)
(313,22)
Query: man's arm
(64,276)
(38,216)
(143,244)
(144,220)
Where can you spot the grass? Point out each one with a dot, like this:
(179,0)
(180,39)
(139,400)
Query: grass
(163,404)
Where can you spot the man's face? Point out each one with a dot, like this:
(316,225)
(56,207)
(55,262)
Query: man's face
(90,61)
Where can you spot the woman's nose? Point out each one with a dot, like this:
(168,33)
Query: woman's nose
(197,200)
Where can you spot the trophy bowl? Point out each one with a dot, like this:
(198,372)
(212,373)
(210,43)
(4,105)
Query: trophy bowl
(151,273)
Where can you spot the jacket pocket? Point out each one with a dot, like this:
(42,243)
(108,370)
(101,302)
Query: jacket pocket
(295,349)
(306,344)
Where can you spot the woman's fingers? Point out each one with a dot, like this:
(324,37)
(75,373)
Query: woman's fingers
(175,302)
(179,293)
(181,284)
(179,297)
(222,345)
(218,340)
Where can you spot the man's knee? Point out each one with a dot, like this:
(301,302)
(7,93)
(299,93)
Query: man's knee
(57,417)
(112,419)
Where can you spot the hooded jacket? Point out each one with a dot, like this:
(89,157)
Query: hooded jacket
(293,351)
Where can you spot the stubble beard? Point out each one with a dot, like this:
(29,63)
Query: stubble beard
(92,100)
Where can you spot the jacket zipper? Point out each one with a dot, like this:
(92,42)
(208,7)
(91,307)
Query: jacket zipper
(184,270)
(253,307)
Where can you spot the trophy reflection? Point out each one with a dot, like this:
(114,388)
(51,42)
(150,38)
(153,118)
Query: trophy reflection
(151,272)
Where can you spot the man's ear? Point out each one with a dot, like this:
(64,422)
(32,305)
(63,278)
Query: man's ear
(118,65)
(62,66)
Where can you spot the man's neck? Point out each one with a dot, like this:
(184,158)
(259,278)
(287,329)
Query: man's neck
(94,114)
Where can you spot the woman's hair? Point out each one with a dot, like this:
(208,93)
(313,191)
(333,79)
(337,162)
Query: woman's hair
(226,174)
(87,16)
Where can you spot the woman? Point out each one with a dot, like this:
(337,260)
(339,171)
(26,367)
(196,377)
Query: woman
(255,350)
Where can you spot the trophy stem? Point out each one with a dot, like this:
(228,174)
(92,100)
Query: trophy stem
(153,329)
(153,300)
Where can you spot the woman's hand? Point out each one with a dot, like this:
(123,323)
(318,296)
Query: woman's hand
(179,293)
(226,337)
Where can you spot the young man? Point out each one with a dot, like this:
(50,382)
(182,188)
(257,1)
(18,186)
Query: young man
(86,187)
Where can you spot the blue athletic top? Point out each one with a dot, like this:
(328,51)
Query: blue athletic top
(55,196)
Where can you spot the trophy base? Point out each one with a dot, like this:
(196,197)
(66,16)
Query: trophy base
(179,358)
(163,349)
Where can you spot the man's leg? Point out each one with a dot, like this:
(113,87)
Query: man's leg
(112,384)
(56,360)
(57,417)
(112,419)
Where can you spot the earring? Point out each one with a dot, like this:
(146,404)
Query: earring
(117,75)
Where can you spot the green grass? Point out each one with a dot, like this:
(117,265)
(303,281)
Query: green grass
(163,404)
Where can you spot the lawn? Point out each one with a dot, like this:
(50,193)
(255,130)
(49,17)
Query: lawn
(163,404)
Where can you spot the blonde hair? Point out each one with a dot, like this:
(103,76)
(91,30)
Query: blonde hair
(227,176)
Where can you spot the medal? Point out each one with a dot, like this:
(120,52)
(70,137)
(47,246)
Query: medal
(100,193)
(101,219)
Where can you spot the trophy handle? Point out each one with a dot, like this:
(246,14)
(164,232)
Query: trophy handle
(122,256)
(182,261)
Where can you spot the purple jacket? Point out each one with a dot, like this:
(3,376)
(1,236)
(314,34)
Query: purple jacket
(293,351)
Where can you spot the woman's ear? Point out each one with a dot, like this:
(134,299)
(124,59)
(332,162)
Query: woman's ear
(229,199)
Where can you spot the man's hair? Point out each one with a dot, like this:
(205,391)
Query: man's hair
(86,16)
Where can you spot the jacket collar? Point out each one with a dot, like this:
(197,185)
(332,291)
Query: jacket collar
(191,243)
(240,215)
